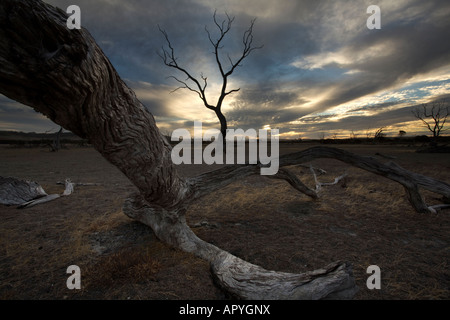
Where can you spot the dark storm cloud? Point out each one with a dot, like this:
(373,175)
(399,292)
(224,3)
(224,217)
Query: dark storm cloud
(414,48)
(15,116)
(387,57)
(127,32)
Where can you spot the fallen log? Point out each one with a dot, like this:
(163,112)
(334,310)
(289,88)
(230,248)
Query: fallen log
(15,191)
(26,193)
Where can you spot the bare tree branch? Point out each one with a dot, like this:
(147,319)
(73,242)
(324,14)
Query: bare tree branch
(210,181)
(223,27)
(435,117)
(170,60)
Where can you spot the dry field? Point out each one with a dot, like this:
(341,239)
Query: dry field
(365,220)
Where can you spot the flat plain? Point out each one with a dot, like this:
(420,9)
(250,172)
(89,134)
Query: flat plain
(364,219)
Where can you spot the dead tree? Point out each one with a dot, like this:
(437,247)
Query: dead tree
(56,145)
(64,74)
(199,86)
(379,134)
(433,118)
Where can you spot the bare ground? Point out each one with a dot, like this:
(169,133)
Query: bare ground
(365,220)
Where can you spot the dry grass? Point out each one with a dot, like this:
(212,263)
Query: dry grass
(365,219)
(127,265)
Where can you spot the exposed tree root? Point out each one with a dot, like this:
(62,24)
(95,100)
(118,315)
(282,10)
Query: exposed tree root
(247,281)
(239,278)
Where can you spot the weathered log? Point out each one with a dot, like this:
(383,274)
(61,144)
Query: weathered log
(45,199)
(411,181)
(385,156)
(14,191)
(26,193)
(240,278)
(335,281)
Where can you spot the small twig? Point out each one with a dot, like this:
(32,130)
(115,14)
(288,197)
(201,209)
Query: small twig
(80,184)
(437,207)
(318,185)
(336,180)
(321,171)
(294,181)
(385,156)
(32,203)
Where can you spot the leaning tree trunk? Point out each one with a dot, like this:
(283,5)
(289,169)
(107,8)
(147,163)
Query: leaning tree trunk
(65,75)
(223,125)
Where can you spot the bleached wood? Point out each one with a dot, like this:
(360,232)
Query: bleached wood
(28,204)
(295,182)
(246,281)
(437,207)
(240,278)
(320,170)
(45,199)
(336,181)
(82,184)
(15,191)
(318,185)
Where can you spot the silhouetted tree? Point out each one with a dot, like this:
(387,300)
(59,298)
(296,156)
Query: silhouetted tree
(199,85)
(433,116)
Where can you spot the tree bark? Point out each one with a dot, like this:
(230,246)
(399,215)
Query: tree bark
(64,74)
(27,194)
(16,192)
(223,123)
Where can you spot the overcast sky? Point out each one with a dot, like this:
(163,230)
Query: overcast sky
(321,70)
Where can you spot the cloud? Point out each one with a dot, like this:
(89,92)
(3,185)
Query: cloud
(393,116)
(319,66)
(17,117)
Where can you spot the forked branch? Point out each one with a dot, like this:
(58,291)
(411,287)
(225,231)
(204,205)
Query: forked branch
(169,59)
(199,87)
(435,117)
(411,181)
